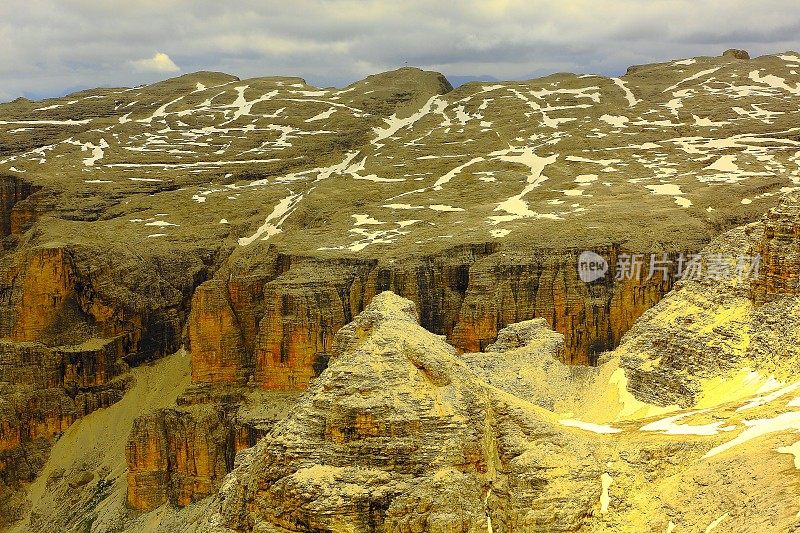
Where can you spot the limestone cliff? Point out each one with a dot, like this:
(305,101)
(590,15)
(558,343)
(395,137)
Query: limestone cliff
(72,321)
(778,246)
(277,329)
(252,219)
(82,485)
(44,391)
(180,454)
(177,456)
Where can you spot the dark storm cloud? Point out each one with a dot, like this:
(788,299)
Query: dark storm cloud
(48,47)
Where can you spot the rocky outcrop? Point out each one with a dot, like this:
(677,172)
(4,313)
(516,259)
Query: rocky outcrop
(526,362)
(421,422)
(713,325)
(401,433)
(778,247)
(736,53)
(177,456)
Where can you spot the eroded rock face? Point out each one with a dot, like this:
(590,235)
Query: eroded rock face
(715,326)
(177,456)
(43,391)
(277,330)
(40,292)
(72,320)
(420,421)
(181,454)
(82,485)
(508,288)
(778,245)
(215,337)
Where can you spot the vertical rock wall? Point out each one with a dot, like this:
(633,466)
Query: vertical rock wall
(277,332)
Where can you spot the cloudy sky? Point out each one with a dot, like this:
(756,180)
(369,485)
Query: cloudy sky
(52,47)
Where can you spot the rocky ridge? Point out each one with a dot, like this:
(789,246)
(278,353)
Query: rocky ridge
(718,326)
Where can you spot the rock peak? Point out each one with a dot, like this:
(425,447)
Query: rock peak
(736,53)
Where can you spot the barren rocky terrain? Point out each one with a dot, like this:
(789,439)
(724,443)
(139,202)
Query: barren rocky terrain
(258,305)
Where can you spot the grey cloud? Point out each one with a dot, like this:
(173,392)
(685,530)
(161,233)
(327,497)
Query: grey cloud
(48,47)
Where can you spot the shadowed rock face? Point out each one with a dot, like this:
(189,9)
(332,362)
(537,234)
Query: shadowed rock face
(177,456)
(72,320)
(13,216)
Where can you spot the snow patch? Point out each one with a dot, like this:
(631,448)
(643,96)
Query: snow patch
(614,120)
(757,428)
(605,484)
(272,224)
(446,208)
(588,426)
(632,101)
(668,426)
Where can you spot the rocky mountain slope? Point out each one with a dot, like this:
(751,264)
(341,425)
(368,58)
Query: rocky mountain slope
(401,433)
(250,220)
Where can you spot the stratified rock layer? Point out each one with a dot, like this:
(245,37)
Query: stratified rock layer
(396,416)
(745,316)
(779,250)
(280,337)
